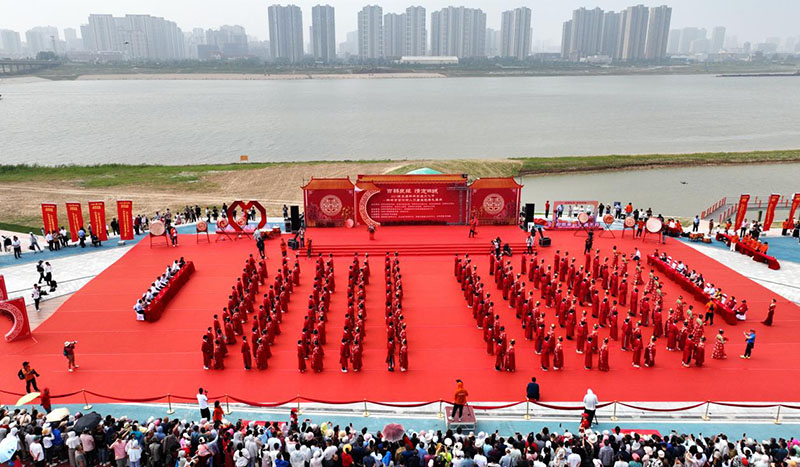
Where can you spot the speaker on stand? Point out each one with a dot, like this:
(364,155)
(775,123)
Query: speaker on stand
(294,217)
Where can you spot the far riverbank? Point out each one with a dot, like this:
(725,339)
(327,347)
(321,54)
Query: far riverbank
(157,187)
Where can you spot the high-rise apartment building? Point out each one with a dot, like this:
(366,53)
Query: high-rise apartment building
(323,33)
(609,42)
(515,30)
(394,35)
(566,39)
(586,33)
(42,39)
(370,32)
(458,31)
(718,40)
(10,42)
(100,34)
(674,42)
(285,33)
(634,33)
(657,32)
(416,39)
(688,36)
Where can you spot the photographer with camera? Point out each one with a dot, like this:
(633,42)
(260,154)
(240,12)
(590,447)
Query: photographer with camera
(69,352)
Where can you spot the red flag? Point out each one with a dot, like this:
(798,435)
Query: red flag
(795,204)
(125,214)
(50,217)
(771,205)
(75,217)
(97,217)
(741,210)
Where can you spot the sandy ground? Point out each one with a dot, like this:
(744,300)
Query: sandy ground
(255,77)
(272,186)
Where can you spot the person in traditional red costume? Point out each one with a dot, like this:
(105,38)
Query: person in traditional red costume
(248,360)
(207,349)
(316,357)
(511,359)
(499,352)
(219,355)
(580,336)
(770,313)
(604,311)
(627,335)
(263,354)
(545,352)
(672,335)
(571,322)
(637,350)
(558,354)
(403,355)
(613,320)
(390,350)
(700,352)
(356,355)
(719,347)
(344,355)
(623,292)
(658,325)
(650,353)
(588,352)
(688,353)
(602,358)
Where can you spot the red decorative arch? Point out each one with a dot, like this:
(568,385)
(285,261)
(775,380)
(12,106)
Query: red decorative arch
(246,207)
(15,309)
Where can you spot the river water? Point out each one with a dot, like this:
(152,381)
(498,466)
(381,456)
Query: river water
(184,122)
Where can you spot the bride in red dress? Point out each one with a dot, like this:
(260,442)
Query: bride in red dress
(719,346)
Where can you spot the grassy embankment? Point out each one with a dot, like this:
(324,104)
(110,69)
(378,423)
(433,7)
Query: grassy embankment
(209,180)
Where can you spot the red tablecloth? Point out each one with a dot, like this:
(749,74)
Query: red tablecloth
(721,309)
(771,262)
(159,303)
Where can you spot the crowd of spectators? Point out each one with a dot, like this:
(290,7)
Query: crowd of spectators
(172,442)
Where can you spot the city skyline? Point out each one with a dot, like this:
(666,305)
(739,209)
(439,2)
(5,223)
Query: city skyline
(748,20)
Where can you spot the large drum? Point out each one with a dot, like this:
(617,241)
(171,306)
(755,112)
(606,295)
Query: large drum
(157,228)
(630,222)
(202,227)
(222,223)
(654,225)
(583,218)
(608,219)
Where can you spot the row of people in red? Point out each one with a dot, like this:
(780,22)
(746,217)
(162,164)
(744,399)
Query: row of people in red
(313,335)
(396,338)
(354,332)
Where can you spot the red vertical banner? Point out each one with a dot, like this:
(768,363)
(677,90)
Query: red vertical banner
(741,210)
(771,205)
(125,215)
(97,217)
(50,217)
(75,217)
(795,205)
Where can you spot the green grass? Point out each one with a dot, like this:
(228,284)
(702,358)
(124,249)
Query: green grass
(109,175)
(19,228)
(546,165)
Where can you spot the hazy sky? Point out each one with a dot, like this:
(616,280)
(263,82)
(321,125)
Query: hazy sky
(749,20)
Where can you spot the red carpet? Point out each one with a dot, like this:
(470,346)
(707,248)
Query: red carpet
(122,357)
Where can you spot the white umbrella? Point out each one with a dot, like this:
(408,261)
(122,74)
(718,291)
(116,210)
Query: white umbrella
(7,448)
(57,415)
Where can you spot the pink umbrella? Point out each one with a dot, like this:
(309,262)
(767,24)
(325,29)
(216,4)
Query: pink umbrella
(393,432)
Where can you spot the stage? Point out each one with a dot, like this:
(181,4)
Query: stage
(130,360)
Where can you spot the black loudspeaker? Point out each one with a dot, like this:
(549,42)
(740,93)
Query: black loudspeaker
(529,207)
(544,241)
(295,218)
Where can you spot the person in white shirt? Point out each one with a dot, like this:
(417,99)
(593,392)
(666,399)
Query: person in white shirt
(589,405)
(573,460)
(202,403)
(139,309)
(34,243)
(37,452)
(134,452)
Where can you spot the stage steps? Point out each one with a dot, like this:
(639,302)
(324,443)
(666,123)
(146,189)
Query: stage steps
(376,249)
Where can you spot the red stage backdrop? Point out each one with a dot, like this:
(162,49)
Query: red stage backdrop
(495,200)
(15,309)
(795,204)
(328,201)
(741,210)
(771,205)
(75,217)
(50,217)
(412,199)
(125,215)
(97,218)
